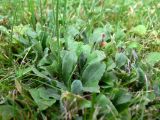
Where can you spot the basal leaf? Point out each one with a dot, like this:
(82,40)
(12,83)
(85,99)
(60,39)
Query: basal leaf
(72,30)
(43,97)
(78,47)
(77,87)
(120,59)
(140,76)
(9,112)
(39,74)
(68,63)
(6,112)
(124,98)
(24,71)
(44,60)
(73,101)
(110,78)
(126,115)
(105,104)
(48,93)
(96,56)
(92,75)
(120,35)
(110,64)
(153,58)
(97,34)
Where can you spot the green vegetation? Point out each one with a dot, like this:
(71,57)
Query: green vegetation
(79,60)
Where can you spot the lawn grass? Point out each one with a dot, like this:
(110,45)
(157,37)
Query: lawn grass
(79,59)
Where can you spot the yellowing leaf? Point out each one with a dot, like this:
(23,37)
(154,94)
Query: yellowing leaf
(18,86)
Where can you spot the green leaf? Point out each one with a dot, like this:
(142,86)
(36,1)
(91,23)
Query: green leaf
(126,114)
(120,59)
(139,30)
(6,112)
(105,104)
(77,87)
(96,56)
(92,75)
(38,48)
(48,93)
(124,97)
(78,47)
(39,74)
(110,64)
(109,78)
(52,69)
(53,45)
(153,58)
(72,101)
(31,33)
(110,48)
(82,61)
(140,76)
(134,45)
(97,34)
(38,28)
(44,98)
(23,71)
(72,30)
(68,63)
(156,87)
(81,48)
(120,35)
(9,112)
(4,30)
(44,60)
